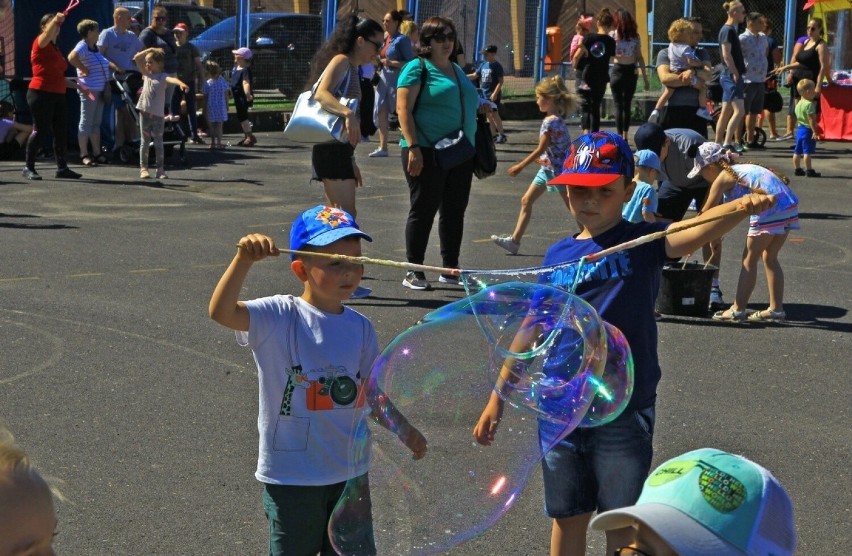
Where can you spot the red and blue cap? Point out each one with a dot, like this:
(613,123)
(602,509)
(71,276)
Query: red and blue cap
(596,159)
(322,225)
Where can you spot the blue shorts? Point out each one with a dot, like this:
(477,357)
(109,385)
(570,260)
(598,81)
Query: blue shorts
(543,176)
(731,90)
(599,468)
(805,143)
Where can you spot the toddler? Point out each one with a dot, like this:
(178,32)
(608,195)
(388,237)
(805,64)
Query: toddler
(151,106)
(216,93)
(13,135)
(807,132)
(643,203)
(683,57)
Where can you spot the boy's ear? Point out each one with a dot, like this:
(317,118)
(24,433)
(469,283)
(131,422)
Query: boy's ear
(298,268)
(628,190)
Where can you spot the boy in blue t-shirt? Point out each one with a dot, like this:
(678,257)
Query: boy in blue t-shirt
(603,468)
(642,206)
(490,76)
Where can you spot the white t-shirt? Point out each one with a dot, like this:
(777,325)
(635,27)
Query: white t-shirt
(310,366)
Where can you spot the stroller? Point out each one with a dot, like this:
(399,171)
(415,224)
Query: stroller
(129,85)
(714,97)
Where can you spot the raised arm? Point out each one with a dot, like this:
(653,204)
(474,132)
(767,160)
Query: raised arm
(225,307)
(51,30)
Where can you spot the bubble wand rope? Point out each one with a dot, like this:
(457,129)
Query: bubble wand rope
(681,226)
(71,5)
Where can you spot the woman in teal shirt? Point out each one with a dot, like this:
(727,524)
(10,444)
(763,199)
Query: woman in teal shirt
(446,102)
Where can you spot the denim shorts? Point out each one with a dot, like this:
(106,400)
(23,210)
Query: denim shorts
(805,143)
(730,90)
(599,468)
(298,519)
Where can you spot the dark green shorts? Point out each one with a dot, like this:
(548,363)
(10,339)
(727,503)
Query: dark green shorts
(298,519)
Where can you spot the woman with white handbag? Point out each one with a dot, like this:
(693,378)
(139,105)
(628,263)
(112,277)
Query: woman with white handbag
(355,41)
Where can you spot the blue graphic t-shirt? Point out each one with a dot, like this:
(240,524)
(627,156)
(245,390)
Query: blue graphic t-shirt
(623,289)
(490,74)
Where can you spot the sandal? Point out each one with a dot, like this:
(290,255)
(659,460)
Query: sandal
(88,161)
(729,315)
(768,316)
(102,159)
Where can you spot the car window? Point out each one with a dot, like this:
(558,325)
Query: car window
(282,31)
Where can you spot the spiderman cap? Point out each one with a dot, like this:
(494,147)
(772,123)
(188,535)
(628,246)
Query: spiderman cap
(596,159)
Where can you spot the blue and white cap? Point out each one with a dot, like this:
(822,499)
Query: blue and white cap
(711,503)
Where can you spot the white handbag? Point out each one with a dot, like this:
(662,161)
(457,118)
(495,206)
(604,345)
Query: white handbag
(310,123)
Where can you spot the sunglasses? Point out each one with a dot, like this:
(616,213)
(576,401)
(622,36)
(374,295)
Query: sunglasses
(160,18)
(378,45)
(813,28)
(441,38)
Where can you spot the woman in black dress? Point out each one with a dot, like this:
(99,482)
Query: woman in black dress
(592,61)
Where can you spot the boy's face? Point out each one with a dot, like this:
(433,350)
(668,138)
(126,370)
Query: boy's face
(650,173)
(597,209)
(332,281)
(809,93)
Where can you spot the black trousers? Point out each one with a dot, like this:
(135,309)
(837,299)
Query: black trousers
(622,83)
(50,114)
(590,106)
(684,117)
(436,191)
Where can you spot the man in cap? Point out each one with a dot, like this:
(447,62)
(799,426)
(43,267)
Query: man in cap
(190,72)
(676,148)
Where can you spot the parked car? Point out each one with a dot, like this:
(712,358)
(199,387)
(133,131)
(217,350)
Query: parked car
(197,18)
(282,45)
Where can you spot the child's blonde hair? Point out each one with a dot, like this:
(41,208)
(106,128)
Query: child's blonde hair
(408,28)
(554,87)
(680,31)
(212,69)
(805,85)
(15,466)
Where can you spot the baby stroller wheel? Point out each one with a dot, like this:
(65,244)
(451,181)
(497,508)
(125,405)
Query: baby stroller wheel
(125,154)
(760,136)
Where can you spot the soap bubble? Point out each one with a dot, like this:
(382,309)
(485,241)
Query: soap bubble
(438,376)
(614,388)
(598,49)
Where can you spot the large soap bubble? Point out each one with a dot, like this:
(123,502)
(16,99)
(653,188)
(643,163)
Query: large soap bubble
(613,388)
(439,375)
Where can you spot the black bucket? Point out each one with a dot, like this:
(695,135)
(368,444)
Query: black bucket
(685,289)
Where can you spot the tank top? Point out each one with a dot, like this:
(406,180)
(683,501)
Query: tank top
(810,59)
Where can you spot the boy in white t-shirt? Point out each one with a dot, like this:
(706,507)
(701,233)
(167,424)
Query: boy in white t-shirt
(312,355)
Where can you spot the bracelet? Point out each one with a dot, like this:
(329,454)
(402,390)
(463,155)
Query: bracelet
(414,146)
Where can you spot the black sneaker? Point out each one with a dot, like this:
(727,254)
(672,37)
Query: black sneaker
(198,140)
(813,174)
(754,145)
(416,281)
(30,174)
(68,173)
(449,279)
(799,172)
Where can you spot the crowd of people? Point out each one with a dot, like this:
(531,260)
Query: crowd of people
(111,71)
(608,190)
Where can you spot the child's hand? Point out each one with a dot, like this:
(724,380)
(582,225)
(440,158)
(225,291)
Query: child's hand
(486,428)
(184,87)
(755,203)
(514,170)
(256,247)
(414,441)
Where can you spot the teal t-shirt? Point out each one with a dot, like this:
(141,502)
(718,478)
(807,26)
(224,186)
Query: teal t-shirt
(438,112)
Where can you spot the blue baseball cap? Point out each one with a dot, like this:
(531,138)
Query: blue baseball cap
(710,503)
(647,158)
(596,159)
(322,225)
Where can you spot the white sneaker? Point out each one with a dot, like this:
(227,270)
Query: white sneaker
(378,153)
(654,117)
(506,243)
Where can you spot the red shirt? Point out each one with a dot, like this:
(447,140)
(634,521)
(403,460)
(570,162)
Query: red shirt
(49,67)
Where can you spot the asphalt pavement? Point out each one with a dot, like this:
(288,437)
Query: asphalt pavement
(144,411)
